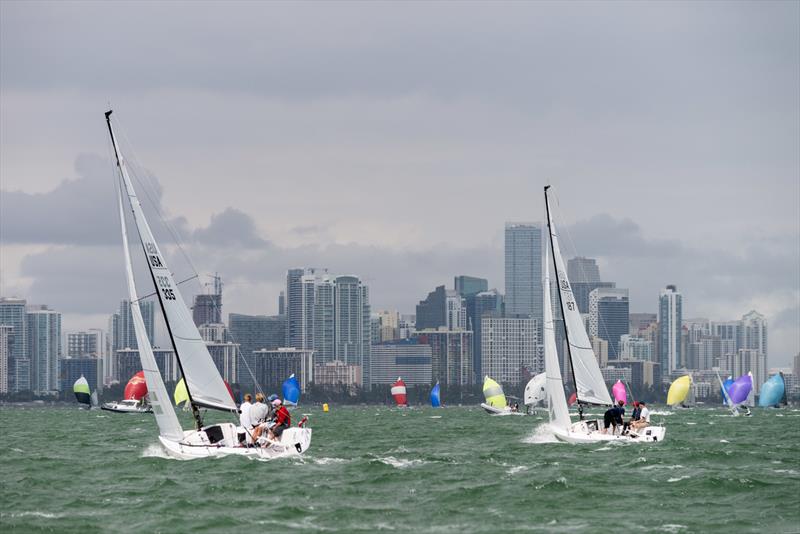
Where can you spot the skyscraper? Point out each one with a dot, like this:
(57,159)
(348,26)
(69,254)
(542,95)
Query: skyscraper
(609,319)
(485,302)
(85,344)
(523,265)
(442,307)
(12,314)
(207,308)
(752,333)
(252,333)
(670,303)
(352,326)
(508,348)
(467,286)
(582,270)
(122,334)
(44,348)
(5,355)
(451,355)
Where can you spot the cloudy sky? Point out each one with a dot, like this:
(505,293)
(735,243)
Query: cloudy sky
(393,141)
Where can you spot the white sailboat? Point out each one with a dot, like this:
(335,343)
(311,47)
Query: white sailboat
(535,392)
(586,375)
(204,384)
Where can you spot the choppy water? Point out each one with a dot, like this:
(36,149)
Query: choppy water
(375,468)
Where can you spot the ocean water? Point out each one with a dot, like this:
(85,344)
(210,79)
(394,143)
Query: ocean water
(373,468)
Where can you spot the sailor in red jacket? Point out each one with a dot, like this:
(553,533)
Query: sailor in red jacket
(282,419)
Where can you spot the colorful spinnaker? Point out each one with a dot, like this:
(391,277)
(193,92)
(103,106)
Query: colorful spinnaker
(772,391)
(619,392)
(493,393)
(82,392)
(399,393)
(741,388)
(572,399)
(136,388)
(435,400)
(726,385)
(291,391)
(180,395)
(679,390)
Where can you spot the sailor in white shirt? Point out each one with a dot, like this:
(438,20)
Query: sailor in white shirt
(644,417)
(244,417)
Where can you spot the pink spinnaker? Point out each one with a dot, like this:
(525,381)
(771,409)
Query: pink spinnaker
(619,391)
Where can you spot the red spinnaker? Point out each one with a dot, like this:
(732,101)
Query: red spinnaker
(136,388)
(399,392)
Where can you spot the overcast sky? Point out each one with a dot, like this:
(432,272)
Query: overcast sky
(393,141)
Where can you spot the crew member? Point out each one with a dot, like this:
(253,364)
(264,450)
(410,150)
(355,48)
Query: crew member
(282,420)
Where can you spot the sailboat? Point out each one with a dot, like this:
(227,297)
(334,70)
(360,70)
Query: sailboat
(204,385)
(679,391)
(535,392)
(134,398)
(291,391)
(399,393)
(436,400)
(82,391)
(496,403)
(772,391)
(740,391)
(587,380)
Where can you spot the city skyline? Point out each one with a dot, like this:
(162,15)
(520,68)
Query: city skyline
(684,174)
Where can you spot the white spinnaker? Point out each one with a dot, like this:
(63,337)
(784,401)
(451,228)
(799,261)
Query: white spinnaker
(534,389)
(203,381)
(556,399)
(168,425)
(588,379)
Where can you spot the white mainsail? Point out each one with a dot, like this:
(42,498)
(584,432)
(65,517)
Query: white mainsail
(203,381)
(168,425)
(554,386)
(591,387)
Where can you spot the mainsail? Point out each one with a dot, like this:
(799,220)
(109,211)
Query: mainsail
(556,400)
(493,393)
(81,390)
(203,381)
(679,390)
(589,383)
(435,399)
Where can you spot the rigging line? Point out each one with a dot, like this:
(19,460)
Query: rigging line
(133,165)
(176,283)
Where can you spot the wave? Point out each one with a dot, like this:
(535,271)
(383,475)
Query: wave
(541,434)
(155,450)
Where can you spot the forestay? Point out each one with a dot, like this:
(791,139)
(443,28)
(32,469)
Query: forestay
(591,387)
(203,381)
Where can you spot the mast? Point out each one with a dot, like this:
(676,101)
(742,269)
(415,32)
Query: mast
(560,301)
(124,171)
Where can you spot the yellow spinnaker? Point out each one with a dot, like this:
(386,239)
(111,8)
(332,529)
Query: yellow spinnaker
(493,393)
(679,390)
(181,394)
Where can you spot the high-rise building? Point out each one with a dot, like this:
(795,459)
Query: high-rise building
(128,363)
(609,317)
(12,313)
(388,327)
(252,333)
(5,355)
(352,327)
(442,308)
(451,355)
(486,302)
(272,367)
(122,334)
(44,347)
(207,307)
(337,373)
(600,349)
(226,358)
(752,333)
(670,304)
(509,348)
(85,344)
(467,286)
(640,321)
(282,303)
(582,270)
(407,358)
(71,369)
(635,348)
(523,266)
(747,360)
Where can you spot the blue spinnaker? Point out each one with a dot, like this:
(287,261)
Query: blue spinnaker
(727,384)
(435,400)
(772,391)
(291,391)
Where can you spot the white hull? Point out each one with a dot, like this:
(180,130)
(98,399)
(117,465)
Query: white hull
(499,411)
(197,444)
(590,431)
(125,408)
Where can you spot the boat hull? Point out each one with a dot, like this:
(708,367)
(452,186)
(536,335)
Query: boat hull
(491,410)
(196,444)
(589,431)
(112,407)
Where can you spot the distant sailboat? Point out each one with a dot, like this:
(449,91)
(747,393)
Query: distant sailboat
(679,391)
(399,393)
(535,393)
(134,397)
(619,392)
(436,400)
(772,391)
(82,392)
(291,391)
(204,384)
(496,403)
(586,376)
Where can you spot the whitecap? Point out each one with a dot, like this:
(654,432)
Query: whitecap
(677,479)
(400,463)
(516,469)
(690,423)
(786,471)
(155,451)
(672,527)
(46,515)
(724,441)
(436,417)
(603,449)
(541,434)
(326,461)
(650,467)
